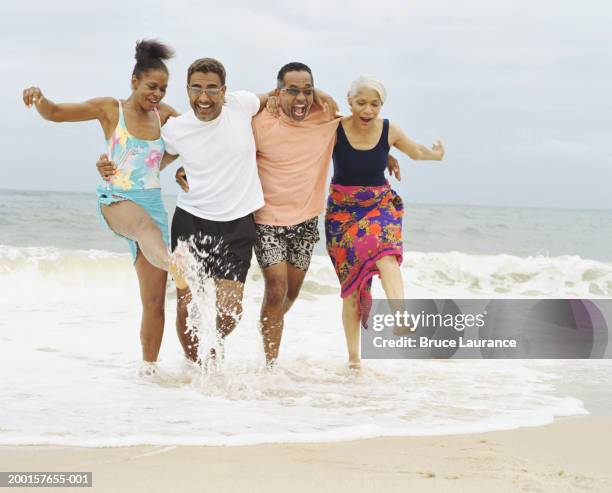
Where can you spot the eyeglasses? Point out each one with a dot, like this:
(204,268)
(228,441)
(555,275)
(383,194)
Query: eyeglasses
(209,91)
(294,91)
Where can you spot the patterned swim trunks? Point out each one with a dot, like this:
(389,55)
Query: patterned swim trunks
(293,244)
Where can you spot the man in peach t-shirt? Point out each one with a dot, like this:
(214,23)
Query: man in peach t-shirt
(294,149)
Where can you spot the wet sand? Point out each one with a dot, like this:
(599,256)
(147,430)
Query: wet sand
(572,454)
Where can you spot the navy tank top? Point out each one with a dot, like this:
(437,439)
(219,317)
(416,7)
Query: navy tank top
(353,167)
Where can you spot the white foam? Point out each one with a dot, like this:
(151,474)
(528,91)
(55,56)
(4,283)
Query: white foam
(439,275)
(70,339)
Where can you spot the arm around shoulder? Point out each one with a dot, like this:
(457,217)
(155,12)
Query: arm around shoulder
(166,111)
(263,99)
(166,116)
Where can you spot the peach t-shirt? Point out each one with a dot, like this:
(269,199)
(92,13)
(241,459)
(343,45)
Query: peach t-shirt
(293,159)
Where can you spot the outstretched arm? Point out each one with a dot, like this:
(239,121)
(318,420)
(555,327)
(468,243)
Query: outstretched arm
(93,109)
(398,139)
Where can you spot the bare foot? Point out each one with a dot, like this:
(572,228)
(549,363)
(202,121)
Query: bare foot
(354,365)
(148,370)
(179,280)
(178,266)
(213,360)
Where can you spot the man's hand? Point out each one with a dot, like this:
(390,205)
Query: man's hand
(325,102)
(181,179)
(272,105)
(106,168)
(393,167)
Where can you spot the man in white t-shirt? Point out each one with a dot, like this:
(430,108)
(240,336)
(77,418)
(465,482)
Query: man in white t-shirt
(215,217)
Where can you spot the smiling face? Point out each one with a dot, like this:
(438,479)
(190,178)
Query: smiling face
(365,107)
(150,88)
(296,94)
(206,95)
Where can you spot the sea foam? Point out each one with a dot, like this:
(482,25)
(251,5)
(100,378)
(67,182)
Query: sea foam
(69,338)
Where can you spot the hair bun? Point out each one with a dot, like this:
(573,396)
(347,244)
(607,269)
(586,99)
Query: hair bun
(150,49)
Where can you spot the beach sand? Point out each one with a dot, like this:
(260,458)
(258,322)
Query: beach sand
(572,454)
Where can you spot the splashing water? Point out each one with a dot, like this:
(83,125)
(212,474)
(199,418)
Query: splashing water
(73,356)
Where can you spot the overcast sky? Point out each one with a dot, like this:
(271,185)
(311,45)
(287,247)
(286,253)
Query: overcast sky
(518,90)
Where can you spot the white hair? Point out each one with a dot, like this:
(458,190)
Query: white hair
(367,82)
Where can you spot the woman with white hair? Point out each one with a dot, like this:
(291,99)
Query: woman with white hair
(363,223)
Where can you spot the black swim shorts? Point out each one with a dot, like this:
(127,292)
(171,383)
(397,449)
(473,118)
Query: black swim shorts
(223,248)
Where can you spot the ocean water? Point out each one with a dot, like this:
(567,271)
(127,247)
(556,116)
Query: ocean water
(69,343)
(68,220)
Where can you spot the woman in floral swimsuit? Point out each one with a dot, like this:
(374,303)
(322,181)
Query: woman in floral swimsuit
(130,203)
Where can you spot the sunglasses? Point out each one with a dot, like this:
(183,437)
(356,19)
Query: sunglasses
(294,91)
(209,91)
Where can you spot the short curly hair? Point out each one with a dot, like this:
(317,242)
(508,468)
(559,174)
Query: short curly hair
(292,67)
(207,65)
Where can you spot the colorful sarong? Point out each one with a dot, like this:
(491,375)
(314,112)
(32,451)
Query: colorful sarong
(362,225)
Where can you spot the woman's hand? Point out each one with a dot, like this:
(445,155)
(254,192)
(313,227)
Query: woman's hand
(438,149)
(32,95)
(393,167)
(326,102)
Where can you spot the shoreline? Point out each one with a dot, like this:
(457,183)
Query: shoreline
(567,455)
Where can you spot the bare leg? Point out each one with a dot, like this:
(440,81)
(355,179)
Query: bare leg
(391,277)
(394,289)
(188,341)
(393,285)
(229,311)
(351,322)
(283,284)
(295,278)
(152,282)
(272,309)
(132,221)
(229,305)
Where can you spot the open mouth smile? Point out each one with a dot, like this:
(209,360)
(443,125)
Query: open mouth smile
(299,110)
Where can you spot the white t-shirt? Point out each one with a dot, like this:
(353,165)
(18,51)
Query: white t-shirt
(219,160)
